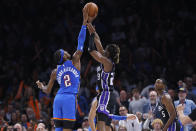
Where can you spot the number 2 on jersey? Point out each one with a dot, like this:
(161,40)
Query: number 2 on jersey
(67,80)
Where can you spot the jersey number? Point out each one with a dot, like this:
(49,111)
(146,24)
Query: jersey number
(67,80)
(112,79)
(163,113)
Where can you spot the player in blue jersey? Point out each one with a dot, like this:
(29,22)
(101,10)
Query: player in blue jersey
(67,75)
(105,75)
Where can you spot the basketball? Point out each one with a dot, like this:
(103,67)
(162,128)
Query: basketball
(92,9)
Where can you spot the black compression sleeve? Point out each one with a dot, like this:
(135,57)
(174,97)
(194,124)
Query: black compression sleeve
(193,115)
(91,44)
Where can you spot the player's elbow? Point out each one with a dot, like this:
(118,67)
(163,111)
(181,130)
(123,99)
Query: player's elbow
(173,116)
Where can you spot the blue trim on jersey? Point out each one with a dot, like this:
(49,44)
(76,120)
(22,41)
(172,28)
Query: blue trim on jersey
(62,54)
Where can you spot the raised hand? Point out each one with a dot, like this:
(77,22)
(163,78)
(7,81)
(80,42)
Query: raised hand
(85,15)
(40,84)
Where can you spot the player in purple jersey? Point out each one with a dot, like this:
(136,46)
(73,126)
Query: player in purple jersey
(105,75)
(165,110)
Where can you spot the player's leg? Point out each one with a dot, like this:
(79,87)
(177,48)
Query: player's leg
(57,113)
(69,111)
(108,122)
(101,126)
(109,107)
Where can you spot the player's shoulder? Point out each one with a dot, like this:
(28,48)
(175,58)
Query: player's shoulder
(54,71)
(190,101)
(167,96)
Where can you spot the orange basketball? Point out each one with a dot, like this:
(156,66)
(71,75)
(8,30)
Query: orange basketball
(92,9)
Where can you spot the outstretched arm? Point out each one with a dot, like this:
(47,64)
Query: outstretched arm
(98,56)
(116,117)
(47,89)
(184,119)
(96,38)
(81,40)
(167,101)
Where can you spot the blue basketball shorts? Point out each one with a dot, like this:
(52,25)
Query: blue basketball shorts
(64,110)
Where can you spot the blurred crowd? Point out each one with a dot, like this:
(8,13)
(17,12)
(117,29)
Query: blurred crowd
(156,38)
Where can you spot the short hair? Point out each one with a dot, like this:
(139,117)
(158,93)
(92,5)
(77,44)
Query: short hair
(123,106)
(163,81)
(135,90)
(157,121)
(57,57)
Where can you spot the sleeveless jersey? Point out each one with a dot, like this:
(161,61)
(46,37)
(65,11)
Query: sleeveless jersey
(68,77)
(161,112)
(105,79)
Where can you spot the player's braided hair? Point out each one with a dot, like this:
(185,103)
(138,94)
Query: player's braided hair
(57,57)
(114,52)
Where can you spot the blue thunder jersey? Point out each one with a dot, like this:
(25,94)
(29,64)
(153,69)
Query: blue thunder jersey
(68,77)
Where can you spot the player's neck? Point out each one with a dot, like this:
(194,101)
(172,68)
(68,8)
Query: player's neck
(160,92)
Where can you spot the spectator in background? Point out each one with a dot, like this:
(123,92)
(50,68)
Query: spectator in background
(9,128)
(157,125)
(19,127)
(30,114)
(152,102)
(146,90)
(147,124)
(136,105)
(140,118)
(189,104)
(24,121)
(190,119)
(8,114)
(172,93)
(131,125)
(51,126)
(41,127)
(13,119)
(18,115)
(123,101)
(85,124)
(189,86)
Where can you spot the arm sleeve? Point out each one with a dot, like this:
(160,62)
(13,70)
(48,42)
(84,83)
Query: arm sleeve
(81,38)
(116,117)
(193,115)
(91,44)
